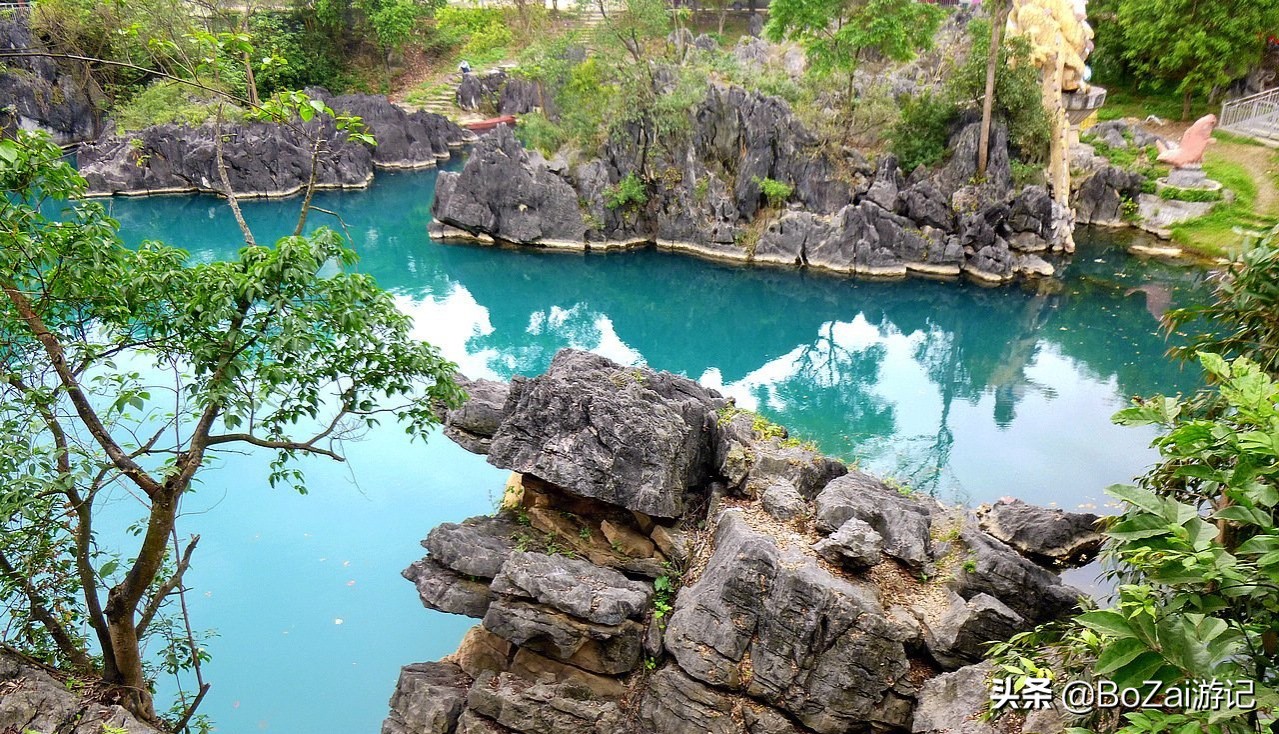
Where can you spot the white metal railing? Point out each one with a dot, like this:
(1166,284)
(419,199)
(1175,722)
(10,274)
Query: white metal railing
(1255,113)
(16,6)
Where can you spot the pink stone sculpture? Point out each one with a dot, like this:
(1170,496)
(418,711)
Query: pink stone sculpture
(1193,144)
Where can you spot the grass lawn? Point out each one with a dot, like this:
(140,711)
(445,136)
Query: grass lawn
(1251,171)
(1121,103)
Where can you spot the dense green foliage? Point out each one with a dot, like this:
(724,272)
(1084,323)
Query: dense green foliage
(126,371)
(838,34)
(389,24)
(921,135)
(302,58)
(1240,320)
(775,192)
(630,191)
(1191,48)
(1196,549)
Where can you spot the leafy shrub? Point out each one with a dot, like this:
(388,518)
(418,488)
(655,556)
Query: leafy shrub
(919,138)
(484,42)
(455,25)
(299,58)
(1018,94)
(776,192)
(629,192)
(164,102)
(535,131)
(921,134)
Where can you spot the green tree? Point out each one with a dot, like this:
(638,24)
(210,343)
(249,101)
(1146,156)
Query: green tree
(839,34)
(387,24)
(129,370)
(1195,47)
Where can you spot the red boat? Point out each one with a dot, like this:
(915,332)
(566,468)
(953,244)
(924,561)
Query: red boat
(489,124)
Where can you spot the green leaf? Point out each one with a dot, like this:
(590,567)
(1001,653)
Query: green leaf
(1107,622)
(1119,654)
(1215,364)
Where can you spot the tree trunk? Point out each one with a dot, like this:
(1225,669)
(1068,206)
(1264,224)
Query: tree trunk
(128,664)
(1185,106)
(723,16)
(249,82)
(998,18)
(122,604)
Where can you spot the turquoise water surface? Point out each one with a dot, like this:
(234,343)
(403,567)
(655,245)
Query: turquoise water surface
(968,393)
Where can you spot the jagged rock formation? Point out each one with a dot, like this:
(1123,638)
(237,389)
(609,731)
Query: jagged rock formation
(499,93)
(843,215)
(812,597)
(267,159)
(36,93)
(33,700)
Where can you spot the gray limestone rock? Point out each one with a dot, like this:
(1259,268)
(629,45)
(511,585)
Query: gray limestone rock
(1032,211)
(952,703)
(473,424)
(961,167)
(37,92)
(677,703)
(476,547)
(598,648)
(1100,197)
(33,700)
(510,194)
(573,586)
(902,521)
(1041,533)
(818,646)
(625,435)
(783,502)
(265,158)
(855,545)
(539,708)
(428,699)
(961,635)
(448,592)
(1030,590)
(888,182)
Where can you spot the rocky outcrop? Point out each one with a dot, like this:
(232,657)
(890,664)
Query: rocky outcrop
(1039,533)
(1107,196)
(665,562)
(842,216)
(499,93)
(268,159)
(32,699)
(39,93)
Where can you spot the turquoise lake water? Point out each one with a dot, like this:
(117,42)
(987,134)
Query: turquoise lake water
(968,393)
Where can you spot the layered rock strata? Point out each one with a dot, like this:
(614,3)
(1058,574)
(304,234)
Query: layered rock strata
(268,159)
(664,562)
(843,215)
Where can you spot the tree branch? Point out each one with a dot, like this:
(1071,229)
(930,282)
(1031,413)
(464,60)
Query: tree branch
(226,184)
(84,409)
(162,593)
(66,644)
(308,447)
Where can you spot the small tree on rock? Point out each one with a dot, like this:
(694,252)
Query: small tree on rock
(129,370)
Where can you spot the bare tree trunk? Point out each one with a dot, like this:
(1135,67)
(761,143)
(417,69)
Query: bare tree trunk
(1185,106)
(999,17)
